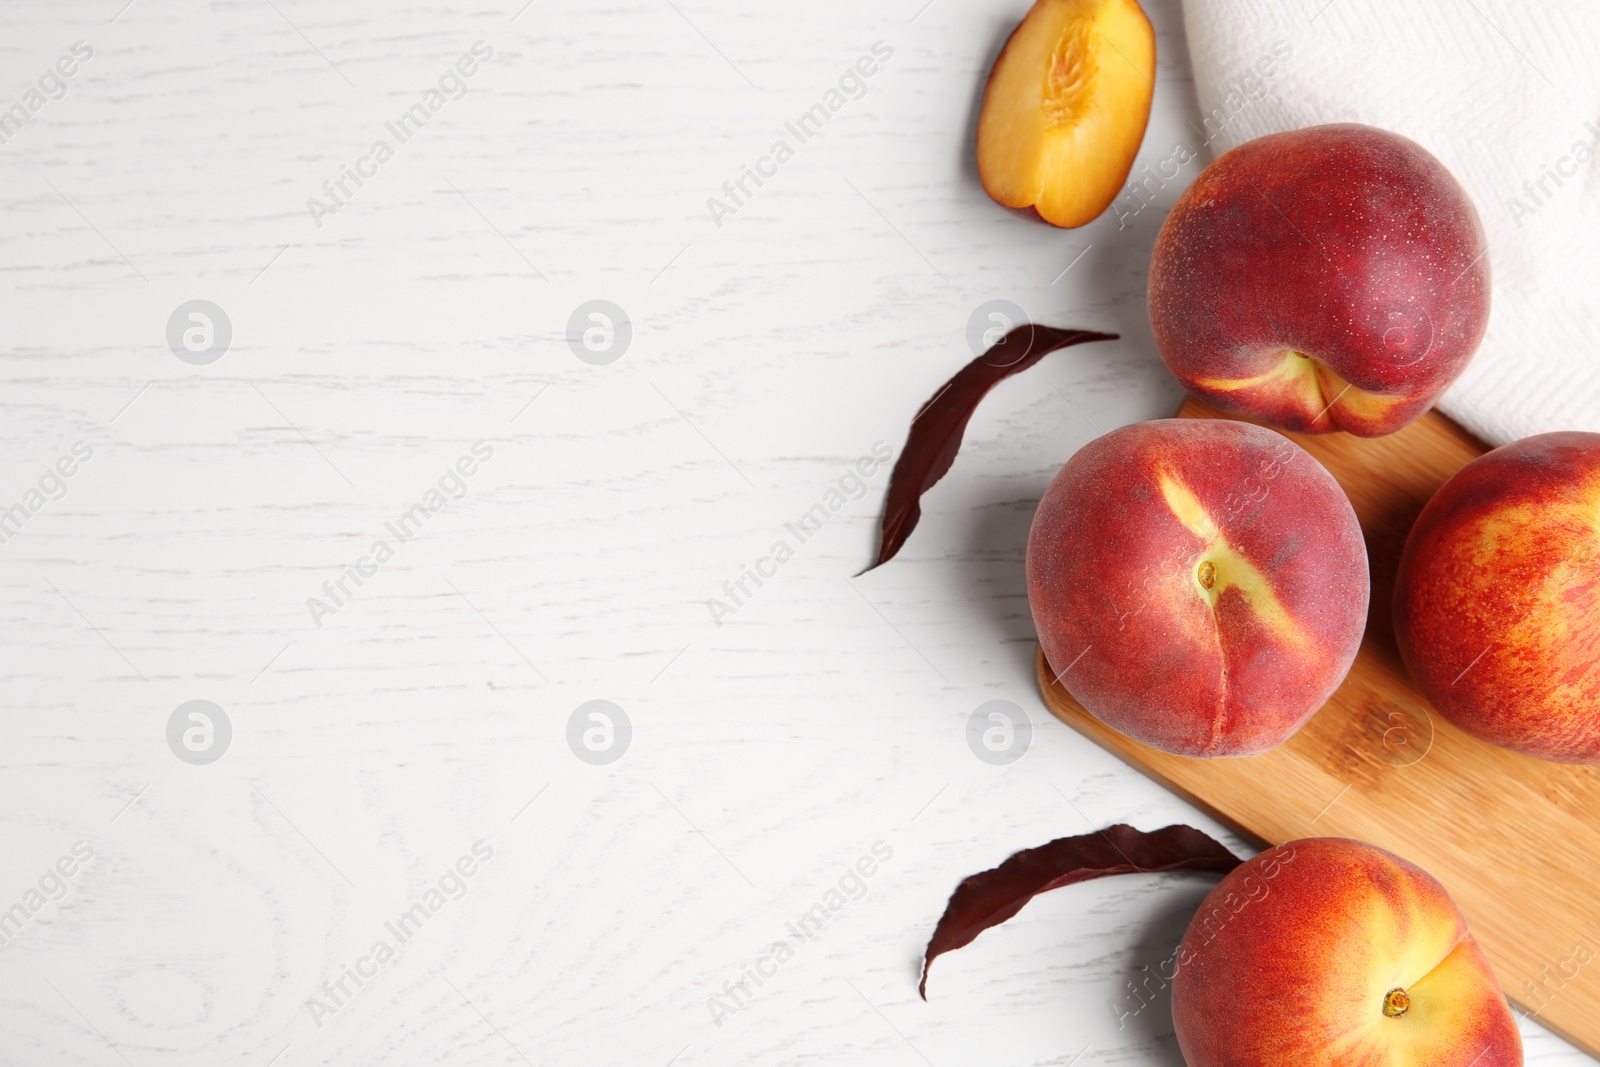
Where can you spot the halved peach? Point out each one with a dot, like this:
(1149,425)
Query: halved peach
(1066,107)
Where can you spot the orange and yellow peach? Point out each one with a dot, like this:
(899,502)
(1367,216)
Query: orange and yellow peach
(1497,601)
(1332,953)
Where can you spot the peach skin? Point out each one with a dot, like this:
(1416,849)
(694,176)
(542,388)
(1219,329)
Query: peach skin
(1200,585)
(1333,953)
(1065,108)
(1497,600)
(1331,278)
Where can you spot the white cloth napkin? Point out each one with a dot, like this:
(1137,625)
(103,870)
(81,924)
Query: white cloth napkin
(1507,94)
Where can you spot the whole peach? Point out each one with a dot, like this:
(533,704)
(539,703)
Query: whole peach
(1200,585)
(1331,278)
(1497,600)
(1332,953)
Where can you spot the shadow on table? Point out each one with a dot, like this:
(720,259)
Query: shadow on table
(1144,998)
(999,33)
(988,569)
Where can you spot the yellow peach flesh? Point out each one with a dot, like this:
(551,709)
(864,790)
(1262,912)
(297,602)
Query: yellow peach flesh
(1312,388)
(1219,566)
(1066,108)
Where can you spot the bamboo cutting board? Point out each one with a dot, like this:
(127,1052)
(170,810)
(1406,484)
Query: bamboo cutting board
(1515,840)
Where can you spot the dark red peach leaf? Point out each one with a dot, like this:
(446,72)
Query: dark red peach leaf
(990,898)
(936,431)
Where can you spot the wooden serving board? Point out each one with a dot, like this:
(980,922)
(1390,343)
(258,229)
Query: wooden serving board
(1516,840)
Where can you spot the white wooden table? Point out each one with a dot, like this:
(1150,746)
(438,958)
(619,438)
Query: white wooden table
(420,713)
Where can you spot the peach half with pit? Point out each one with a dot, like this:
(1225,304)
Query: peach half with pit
(1065,108)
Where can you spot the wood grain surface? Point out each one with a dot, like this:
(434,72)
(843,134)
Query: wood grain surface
(1514,839)
(372,748)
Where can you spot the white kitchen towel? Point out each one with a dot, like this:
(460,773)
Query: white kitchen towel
(1507,94)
